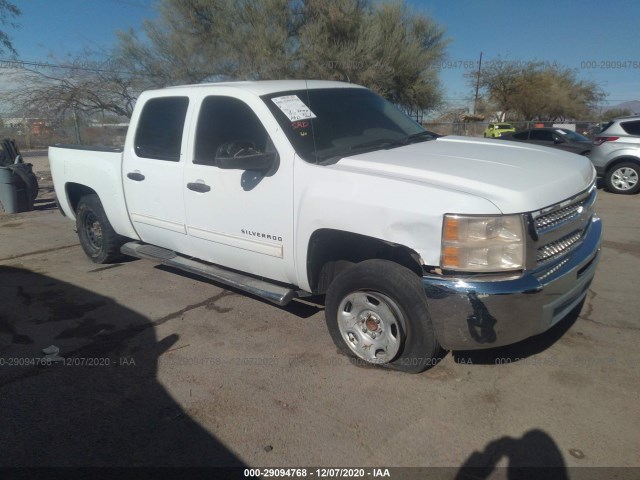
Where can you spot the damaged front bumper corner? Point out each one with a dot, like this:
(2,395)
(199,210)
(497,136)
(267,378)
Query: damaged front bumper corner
(473,313)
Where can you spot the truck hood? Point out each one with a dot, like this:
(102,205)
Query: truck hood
(515,177)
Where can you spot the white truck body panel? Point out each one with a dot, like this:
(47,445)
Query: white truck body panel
(514,177)
(237,224)
(262,223)
(99,170)
(397,195)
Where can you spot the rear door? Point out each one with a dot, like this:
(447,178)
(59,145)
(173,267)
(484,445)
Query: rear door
(152,173)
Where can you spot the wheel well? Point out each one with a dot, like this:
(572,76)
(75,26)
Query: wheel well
(332,251)
(620,160)
(75,192)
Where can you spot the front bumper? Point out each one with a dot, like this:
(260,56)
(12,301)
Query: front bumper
(471,313)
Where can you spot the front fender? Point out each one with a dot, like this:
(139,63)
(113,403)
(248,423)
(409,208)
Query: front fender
(399,211)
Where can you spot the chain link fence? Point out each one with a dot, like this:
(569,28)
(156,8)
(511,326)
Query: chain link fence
(587,128)
(38,134)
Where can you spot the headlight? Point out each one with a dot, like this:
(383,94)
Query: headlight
(482,244)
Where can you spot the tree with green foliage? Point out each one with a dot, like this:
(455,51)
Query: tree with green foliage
(382,45)
(8,11)
(612,113)
(537,90)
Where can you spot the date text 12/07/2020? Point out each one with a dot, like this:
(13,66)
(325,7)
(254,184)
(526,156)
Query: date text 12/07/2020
(317,472)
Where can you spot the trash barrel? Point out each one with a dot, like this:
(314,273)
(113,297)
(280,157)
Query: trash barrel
(18,184)
(15,193)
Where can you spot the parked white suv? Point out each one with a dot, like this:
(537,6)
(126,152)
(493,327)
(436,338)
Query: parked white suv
(616,154)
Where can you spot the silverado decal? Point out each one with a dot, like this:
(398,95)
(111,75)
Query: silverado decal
(261,235)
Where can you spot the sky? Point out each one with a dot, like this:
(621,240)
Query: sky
(600,40)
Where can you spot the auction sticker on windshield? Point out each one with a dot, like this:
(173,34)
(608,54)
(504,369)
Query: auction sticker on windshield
(293,107)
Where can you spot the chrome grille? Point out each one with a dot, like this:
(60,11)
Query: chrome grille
(558,217)
(558,247)
(559,228)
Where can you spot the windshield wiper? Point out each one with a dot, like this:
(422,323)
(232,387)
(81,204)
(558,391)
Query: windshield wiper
(373,145)
(420,136)
(364,147)
(378,143)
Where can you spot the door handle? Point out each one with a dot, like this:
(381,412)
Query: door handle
(135,176)
(198,187)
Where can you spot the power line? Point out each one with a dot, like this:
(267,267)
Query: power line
(10,63)
(133,4)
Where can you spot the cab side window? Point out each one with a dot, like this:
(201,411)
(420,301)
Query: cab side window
(160,127)
(541,135)
(225,121)
(522,135)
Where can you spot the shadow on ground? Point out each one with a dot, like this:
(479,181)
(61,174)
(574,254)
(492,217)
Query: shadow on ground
(303,308)
(114,413)
(535,455)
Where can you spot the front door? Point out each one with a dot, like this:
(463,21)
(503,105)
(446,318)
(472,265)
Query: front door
(237,218)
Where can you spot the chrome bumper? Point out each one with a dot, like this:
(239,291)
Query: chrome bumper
(470,314)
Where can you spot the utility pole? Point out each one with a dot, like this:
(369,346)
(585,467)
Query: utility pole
(475,102)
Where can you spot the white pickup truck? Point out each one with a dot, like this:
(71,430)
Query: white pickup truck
(288,189)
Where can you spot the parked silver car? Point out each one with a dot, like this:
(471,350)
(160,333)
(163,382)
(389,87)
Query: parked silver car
(616,154)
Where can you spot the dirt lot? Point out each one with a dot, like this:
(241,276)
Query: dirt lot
(162,368)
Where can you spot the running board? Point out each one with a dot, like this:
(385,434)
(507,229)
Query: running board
(269,291)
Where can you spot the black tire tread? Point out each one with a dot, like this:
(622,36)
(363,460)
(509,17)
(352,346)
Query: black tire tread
(110,251)
(421,349)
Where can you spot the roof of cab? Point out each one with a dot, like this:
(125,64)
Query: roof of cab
(266,87)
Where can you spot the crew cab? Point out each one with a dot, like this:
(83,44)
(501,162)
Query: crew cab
(287,189)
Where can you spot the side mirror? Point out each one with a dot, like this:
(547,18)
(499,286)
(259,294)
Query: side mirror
(557,140)
(244,156)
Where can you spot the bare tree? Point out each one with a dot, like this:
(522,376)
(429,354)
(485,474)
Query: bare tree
(89,87)
(8,11)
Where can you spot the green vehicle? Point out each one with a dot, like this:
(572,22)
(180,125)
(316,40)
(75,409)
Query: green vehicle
(495,130)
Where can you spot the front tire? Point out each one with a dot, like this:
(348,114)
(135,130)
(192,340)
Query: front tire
(376,312)
(97,237)
(623,178)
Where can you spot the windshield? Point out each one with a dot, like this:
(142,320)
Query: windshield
(324,125)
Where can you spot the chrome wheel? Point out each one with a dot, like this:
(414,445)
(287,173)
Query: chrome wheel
(372,325)
(624,178)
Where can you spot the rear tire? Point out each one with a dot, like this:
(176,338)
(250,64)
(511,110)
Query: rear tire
(376,312)
(623,178)
(97,237)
